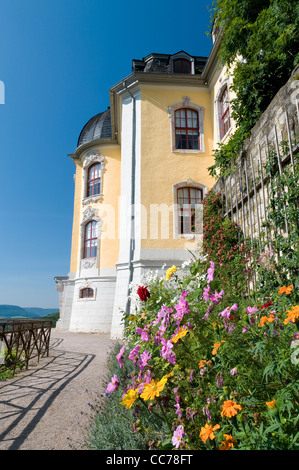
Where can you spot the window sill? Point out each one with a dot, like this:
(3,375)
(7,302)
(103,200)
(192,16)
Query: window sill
(92,199)
(225,136)
(188,236)
(187,151)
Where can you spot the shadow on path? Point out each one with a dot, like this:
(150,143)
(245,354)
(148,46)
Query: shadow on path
(24,400)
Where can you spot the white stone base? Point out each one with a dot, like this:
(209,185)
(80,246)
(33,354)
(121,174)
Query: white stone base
(104,313)
(91,315)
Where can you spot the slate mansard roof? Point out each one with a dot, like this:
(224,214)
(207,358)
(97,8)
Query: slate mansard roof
(162,63)
(98,127)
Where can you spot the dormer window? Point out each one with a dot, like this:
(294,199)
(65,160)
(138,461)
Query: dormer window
(181,66)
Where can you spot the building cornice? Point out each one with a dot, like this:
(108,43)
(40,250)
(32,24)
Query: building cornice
(92,145)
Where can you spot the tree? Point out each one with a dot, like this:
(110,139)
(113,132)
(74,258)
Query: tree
(260,47)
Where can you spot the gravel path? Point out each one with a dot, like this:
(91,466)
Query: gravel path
(46,407)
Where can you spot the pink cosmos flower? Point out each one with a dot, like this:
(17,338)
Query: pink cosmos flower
(216,297)
(144,334)
(178,410)
(206,294)
(113,385)
(210,272)
(251,310)
(177,437)
(182,308)
(166,351)
(164,315)
(133,356)
(144,357)
(119,357)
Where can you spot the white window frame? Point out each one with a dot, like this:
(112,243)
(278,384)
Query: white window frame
(88,160)
(185,184)
(186,103)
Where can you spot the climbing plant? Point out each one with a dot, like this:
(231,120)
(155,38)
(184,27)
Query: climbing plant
(259,45)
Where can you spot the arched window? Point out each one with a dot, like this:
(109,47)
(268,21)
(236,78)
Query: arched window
(94,180)
(224,118)
(86,293)
(186,129)
(90,239)
(181,66)
(188,200)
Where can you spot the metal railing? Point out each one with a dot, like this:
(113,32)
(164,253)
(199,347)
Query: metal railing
(21,341)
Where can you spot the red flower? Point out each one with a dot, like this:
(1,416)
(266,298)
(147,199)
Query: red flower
(143,293)
(268,304)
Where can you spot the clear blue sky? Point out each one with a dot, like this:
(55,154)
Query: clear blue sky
(58,59)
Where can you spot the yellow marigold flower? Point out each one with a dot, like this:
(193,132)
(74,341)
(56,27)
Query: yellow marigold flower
(282,290)
(129,398)
(230,408)
(154,388)
(228,443)
(207,432)
(285,290)
(271,404)
(292,315)
(216,347)
(203,362)
(181,333)
(266,319)
(170,272)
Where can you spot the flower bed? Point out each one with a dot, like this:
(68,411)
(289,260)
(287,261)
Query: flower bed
(217,373)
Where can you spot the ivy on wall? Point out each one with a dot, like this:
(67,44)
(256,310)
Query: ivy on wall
(260,47)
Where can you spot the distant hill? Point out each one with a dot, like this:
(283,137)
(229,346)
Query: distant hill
(14,311)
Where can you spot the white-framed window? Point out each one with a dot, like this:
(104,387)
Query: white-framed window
(93,169)
(222,111)
(86,291)
(182,63)
(187,132)
(91,228)
(188,211)
(91,240)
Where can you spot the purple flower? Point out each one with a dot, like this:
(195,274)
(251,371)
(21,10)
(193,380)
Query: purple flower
(206,294)
(182,308)
(206,411)
(164,315)
(219,380)
(133,356)
(225,313)
(251,310)
(144,334)
(144,357)
(119,357)
(233,371)
(166,351)
(190,413)
(210,272)
(113,385)
(178,435)
(216,297)
(178,410)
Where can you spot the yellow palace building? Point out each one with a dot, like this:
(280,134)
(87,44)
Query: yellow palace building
(141,173)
